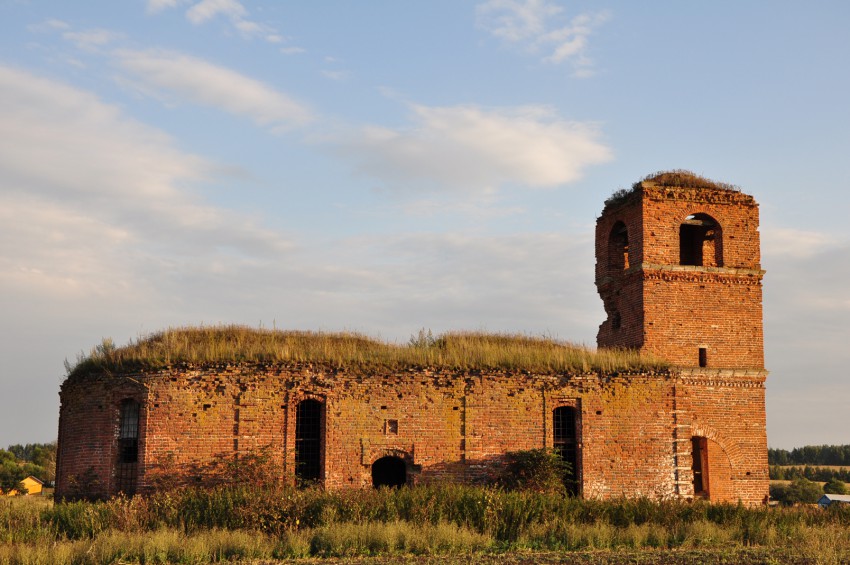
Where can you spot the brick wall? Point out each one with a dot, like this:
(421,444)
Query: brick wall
(448,425)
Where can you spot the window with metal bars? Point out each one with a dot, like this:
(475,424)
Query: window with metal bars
(128,446)
(308,440)
(565,441)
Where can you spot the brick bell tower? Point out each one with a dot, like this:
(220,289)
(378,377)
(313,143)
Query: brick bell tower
(678,270)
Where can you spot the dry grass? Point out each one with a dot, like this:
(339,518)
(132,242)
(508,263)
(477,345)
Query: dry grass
(676,178)
(681,178)
(446,524)
(456,351)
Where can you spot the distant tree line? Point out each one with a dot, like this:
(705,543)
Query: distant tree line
(21,461)
(821,474)
(810,455)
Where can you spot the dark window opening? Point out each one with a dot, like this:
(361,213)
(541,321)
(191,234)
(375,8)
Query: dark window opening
(308,441)
(699,451)
(700,242)
(616,320)
(128,447)
(391,427)
(389,471)
(618,248)
(566,444)
(703,357)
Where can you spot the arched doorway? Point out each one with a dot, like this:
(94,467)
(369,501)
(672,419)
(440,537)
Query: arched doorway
(389,471)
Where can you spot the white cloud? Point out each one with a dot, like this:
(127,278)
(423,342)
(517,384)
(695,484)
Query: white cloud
(208,9)
(88,192)
(234,11)
(91,39)
(470,148)
(48,25)
(537,26)
(798,244)
(204,83)
(155,6)
(292,50)
(336,75)
(516,20)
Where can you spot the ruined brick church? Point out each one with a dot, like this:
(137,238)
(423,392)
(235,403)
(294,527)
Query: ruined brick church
(678,271)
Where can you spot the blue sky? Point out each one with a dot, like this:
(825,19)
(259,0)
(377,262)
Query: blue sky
(383,166)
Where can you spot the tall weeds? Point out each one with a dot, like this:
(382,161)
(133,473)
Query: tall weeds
(240,522)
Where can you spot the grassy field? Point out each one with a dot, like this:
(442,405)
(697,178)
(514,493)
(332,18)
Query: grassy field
(422,525)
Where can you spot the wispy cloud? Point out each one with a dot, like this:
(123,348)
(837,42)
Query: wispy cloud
(208,9)
(155,6)
(540,27)
(336,75)
(781,243)
(48,25)
(90,194)
(232,11)
(92,39)
(475,149)
(202,82)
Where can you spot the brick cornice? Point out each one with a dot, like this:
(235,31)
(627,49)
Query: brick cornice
(689,273)
(735,378)
(700,195)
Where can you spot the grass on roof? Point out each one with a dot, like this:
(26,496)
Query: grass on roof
(461,351)
(676,178)
(682,178)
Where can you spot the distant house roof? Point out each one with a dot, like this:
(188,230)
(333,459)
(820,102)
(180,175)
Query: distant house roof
(828,499)
(32,485)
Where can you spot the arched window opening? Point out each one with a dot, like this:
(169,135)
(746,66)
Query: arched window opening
(699,465)
(128,446)
(389,471)
(700,242)
(565,442)
(618,248)
(308,441)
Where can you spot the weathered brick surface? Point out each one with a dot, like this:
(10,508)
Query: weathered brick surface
(662,307)
(451,426)
(634,431)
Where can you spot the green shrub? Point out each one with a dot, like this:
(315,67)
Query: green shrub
(538,470)
(835,486)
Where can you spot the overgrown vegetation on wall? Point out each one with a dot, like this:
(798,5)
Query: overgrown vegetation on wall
(245,522)
(676,178)
(463,351)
